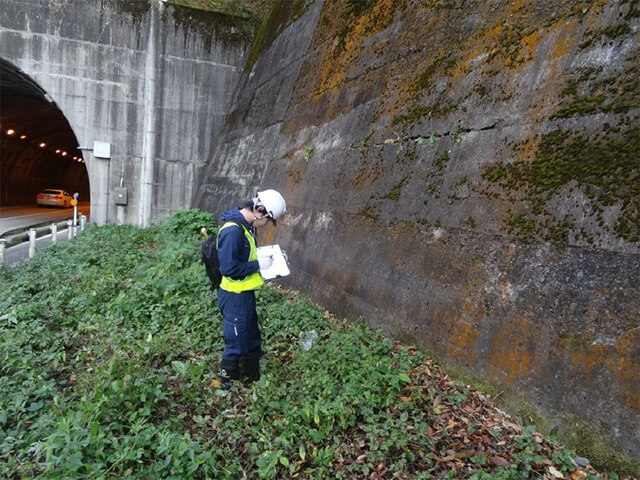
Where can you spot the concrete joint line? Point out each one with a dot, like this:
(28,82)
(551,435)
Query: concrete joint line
(204,62)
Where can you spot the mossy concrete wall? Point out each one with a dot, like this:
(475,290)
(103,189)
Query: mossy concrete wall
(464,175)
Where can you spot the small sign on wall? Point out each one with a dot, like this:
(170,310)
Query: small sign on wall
(102,149)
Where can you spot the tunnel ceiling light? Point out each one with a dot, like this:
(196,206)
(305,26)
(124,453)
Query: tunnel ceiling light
(59,151)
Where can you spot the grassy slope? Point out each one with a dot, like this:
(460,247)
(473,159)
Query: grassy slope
(109,351)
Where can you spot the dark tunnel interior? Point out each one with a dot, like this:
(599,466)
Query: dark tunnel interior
(38,148)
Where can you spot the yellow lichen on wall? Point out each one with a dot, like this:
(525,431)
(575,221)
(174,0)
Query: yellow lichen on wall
(479,44)
(331,74)
(334,69)
(529,45)
(588,359)
(565,42)
(461,343)
(530,148)
(627,367)
(561,35)
(585,357)
(513,354)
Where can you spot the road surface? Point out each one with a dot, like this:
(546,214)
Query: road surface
(20,218)
(23,217)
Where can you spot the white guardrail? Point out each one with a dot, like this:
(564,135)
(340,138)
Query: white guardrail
(33,233)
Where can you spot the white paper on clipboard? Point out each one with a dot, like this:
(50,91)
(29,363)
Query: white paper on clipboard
(279,267)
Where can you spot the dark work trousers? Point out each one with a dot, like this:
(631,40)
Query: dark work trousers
(240,323)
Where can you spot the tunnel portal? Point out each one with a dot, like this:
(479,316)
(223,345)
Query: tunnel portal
(38,148)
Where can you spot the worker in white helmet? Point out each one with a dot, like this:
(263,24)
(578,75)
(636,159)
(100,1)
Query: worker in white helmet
(240,269)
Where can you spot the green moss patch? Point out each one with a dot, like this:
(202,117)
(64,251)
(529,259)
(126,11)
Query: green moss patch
(421,112)
(605,168)
(592,442)
(424,80)
(587,95)
(394,193)
(282,13)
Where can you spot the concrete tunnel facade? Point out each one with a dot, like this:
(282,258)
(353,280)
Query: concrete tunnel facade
(149,84)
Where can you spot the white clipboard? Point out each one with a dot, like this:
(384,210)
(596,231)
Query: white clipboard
(279,267)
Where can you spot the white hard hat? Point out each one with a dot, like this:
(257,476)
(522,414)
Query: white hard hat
(273,202)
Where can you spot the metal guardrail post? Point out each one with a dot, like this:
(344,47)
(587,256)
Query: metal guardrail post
(72,231)
(32,242)
(3,247)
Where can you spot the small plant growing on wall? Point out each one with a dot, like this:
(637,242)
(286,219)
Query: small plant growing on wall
(307,153)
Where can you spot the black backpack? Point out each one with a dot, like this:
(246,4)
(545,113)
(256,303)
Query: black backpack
(209,258)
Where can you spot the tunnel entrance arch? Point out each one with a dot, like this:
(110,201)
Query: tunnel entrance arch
(38,148)
(155,83)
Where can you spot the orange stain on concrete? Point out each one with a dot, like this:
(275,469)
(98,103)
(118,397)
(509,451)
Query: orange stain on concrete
(480,43)
(529,46)
(267,234)
(632,400)
(627,367)
(461,343)
(564,43)
(587,358)
(513,354)
(530,149)
(334,69)
(621,359)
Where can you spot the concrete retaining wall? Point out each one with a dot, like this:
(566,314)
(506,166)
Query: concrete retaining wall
(442,166)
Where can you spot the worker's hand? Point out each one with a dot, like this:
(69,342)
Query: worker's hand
(265,262)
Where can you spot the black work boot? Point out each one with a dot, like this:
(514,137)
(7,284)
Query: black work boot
(230,371)
(250,366)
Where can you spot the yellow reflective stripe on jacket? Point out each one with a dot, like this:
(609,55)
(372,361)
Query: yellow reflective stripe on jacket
(252,281)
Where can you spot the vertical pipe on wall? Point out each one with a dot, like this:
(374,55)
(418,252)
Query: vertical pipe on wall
(149,133)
